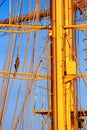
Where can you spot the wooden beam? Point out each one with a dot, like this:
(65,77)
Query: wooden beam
(44,13)
(27,17)
(82,4)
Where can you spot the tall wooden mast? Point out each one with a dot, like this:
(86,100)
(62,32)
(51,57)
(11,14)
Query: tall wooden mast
(57,66)
(54,68)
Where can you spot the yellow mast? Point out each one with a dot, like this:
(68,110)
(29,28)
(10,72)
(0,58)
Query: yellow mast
(58,112)
(70,65)
(59,51)
(66,98)
(53,68)
(64,64)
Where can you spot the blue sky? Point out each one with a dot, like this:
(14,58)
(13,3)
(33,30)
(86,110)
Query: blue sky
(4,12)
(81,56)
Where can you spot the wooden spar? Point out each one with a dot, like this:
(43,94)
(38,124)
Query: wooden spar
(81,4)
(31,16)
(53,68)
(27,17)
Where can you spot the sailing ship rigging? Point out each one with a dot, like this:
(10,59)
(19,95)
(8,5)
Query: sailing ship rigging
(43,69)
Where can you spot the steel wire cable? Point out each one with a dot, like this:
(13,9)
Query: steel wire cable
(2,2)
